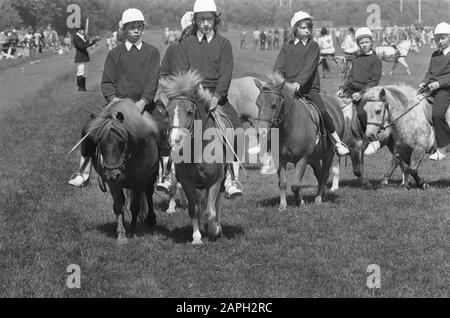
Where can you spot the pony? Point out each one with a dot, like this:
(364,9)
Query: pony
(409,116)
(397,54)
(201,181)
(300,138)
(126,159)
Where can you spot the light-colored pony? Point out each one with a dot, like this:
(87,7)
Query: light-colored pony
(409,116)
(393,55)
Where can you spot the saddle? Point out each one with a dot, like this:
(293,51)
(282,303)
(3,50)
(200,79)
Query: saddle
(315,116)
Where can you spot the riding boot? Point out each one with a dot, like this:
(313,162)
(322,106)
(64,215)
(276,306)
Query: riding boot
(81,178)
(80,83)
(83,84)
(341,148)
(167,183)
(372,148)
(233,188)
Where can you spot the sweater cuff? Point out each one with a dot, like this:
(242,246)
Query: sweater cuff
(218,96)
(110,98)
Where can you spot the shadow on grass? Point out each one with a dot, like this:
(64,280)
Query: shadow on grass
(179,235)
(328,197)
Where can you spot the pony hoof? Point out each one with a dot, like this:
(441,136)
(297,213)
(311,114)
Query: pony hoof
(150,222)
(384,182)
(303,203)
(122,241)
(197,242)
(318,200)
(425,186)
(213,231)
(282,208)
(334,190)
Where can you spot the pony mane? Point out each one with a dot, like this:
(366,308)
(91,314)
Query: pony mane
(276,79)
(134,124)
(186,84)
(404,93)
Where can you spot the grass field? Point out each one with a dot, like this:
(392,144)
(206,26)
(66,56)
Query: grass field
(315,251)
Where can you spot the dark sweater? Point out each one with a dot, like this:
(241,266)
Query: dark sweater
(131,74)
(81,46)
(299,63)
(169,62)
(365,73)
(439,70)
(214,61)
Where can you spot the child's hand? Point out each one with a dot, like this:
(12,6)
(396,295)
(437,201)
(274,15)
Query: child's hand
(296,86)
(356,96)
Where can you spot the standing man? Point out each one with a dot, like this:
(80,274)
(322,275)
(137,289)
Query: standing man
(131,71)
(82,56)
(437,80)
(211,55)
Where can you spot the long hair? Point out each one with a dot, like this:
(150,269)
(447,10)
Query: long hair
(309,25)
(217,22)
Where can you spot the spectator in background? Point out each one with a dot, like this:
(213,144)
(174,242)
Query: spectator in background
(82,44)
(256,35)
(243,38)
(269,40)
(286,35)
(350,48)
(327,49)
(262,40)
(276,40)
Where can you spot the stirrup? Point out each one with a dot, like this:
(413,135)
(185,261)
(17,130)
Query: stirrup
(165,185)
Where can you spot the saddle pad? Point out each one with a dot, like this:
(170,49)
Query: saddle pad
(316,117)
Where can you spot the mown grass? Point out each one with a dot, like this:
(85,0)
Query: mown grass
(315,251)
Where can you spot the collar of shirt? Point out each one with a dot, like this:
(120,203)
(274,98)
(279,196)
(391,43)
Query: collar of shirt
(297,40)
(209,36)
(369,53)
(129,45)
(446,51)
(81,36)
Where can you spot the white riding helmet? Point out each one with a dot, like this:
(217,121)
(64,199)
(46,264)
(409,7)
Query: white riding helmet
(363,33)
(299,16)
(205,6)
(442,28)
(132,15)
(186,20)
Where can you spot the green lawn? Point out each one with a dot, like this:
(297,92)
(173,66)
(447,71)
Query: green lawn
(315,251)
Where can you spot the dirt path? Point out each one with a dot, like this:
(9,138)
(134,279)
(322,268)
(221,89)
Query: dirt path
(19,81)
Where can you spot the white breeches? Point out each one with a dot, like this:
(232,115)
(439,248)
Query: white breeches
(82,69)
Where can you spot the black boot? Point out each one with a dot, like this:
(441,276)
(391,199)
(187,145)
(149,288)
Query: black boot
(83,83)
(79,83)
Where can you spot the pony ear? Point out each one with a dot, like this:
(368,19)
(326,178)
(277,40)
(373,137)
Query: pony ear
(383,94)
(259,84)
(120,117)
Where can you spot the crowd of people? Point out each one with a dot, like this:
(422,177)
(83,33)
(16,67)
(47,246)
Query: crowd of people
(25,42)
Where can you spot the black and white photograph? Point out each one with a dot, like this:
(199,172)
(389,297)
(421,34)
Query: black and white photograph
(224,155)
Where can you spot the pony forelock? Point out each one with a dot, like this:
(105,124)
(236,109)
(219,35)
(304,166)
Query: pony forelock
(181,84)
(134,124)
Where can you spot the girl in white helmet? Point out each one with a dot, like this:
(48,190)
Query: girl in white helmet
(131,71)
(437,80)
(211,55)
(365,73)
(298,61)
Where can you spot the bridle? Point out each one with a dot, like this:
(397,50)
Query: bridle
(123,158)
(381,124)
(196,115)
(277,119)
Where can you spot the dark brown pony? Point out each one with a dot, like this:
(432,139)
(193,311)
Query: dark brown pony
(201,181)
(300,140)
(127,158)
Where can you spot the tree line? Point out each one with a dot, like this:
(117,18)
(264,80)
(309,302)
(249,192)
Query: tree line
(105,14)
